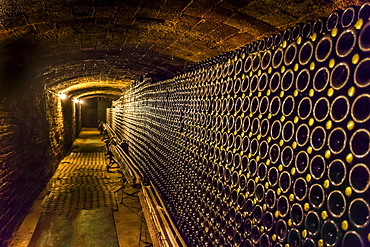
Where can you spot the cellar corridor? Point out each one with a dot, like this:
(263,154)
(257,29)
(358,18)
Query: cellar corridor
(84,205)
(231,123)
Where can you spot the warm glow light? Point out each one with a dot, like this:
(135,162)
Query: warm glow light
(63,96)
(78,101)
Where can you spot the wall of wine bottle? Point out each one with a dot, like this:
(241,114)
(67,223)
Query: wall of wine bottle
(267,145)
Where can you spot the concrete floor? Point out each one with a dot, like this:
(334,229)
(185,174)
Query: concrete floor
(82,174)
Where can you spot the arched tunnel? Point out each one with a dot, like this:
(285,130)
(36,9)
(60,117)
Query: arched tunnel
(236,122)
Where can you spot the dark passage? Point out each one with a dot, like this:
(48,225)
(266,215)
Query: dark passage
(94,110)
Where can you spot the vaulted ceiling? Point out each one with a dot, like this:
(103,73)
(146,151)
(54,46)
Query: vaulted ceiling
(73,46)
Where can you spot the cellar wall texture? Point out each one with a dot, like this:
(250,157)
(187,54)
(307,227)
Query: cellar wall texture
(268,144)
(36,131)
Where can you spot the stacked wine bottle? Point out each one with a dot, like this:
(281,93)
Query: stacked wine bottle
(267,145)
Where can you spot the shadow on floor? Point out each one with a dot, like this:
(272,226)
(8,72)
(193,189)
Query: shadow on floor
(79,205)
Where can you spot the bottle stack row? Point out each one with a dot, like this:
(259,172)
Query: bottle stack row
(267,145)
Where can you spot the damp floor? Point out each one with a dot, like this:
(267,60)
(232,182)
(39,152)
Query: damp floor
(84,205)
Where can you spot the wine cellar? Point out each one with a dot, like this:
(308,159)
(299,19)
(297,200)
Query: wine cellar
(267,145)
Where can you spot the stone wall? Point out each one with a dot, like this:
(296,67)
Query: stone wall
(36,130)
